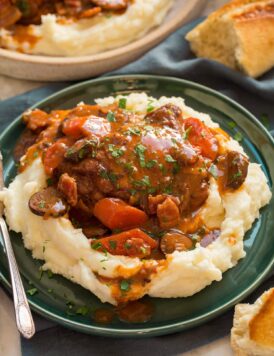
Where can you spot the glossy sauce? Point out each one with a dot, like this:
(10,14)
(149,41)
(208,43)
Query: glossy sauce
(148,172)
(104,315)
(140,311)
(133,287)
(23,34)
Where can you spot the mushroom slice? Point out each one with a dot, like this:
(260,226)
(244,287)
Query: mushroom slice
(48,202)
(175,241)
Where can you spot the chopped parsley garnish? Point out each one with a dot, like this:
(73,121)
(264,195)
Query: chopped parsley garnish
(213,170)
(83,310)
(143,250)
(140,150)
(42,204)
(116,152)
(161,166)
(170,159)
(134,131)
(237,175)
(232,124)
(112,177)
(50,274)
(49,182)
(127,245)
(150,106)
(176,168)
(70,152)
(32,291)
(174,140)
(96,245)
(23,6)
(148,128)
(152,163)
(125,285)
(79,151)
(122,103)
(168,190)
(145,182)
(112,244)
(238,136)
(186,133)
(111,117)
(132,191)
(109,176)
(82,153)
(104,174)
(195,237)
(35,154)
(50,290)
(152,190)
(129,167)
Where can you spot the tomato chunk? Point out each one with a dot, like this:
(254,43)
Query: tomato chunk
(116,214)
(36,119)
(86,126)
(200,135)
(73,127)
(54,156)
(133,243)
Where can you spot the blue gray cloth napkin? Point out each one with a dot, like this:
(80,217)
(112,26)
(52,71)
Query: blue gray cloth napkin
(170,58)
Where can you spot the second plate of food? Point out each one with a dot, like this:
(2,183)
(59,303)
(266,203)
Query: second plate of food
(181,161)
(59,41)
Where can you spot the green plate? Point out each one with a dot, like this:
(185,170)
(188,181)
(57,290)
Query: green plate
(171,315)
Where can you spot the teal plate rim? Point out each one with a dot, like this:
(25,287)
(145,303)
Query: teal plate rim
(170,327)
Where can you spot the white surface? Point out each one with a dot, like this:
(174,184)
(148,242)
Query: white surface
(9,338)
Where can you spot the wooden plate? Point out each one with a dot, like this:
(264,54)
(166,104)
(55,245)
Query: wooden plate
(46,68)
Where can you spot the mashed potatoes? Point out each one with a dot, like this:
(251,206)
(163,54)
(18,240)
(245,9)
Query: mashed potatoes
(67,251)
(93,35)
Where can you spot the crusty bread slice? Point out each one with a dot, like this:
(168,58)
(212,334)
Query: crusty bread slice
(239,35)
(253,327)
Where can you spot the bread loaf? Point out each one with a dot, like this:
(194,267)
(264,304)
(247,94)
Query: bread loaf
(253,327)
(239,35)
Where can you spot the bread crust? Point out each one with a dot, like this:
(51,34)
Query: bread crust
(250,32)
(254,319)
(255,32)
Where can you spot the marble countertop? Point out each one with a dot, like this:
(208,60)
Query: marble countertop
(9,337)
